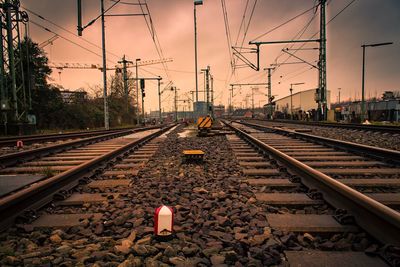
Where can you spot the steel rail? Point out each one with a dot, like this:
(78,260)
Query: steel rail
(388,155)
(41,193)
(7,160)
(29,139)
(382,222)
(362,127)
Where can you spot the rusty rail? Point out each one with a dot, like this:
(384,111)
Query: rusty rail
(41,193)
(380,221)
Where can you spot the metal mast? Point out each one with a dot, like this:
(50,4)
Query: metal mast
(269,94)
(12,82)
(103,42)
(322,107)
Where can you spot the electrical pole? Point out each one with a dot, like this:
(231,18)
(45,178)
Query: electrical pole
(176,103)
(212,95)
(137,92)
(103,42)
(231,100)
(125,77)
(196,2)
(143,118)
(291,103)
(207,83)
(252,99)
(159,100)
(270,97)
(339,94)
(322,105)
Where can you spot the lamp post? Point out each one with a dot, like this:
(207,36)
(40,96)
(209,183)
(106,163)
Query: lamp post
(339,94)
(291,99)
(137,92)
(196,2)
(363,75)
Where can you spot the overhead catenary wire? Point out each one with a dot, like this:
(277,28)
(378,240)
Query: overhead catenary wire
(284,23)
(242,22)
(248,23)
(66,30)
(329,21)
(68,40)
(154,36)
(297,36)
(227,32)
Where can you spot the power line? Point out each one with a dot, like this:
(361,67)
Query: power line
(125,3)
(227,32)
(248,24)
(297,36)
(334,17)
(242,22)
(68,40)
(66,30)
(154,36)
(284,23)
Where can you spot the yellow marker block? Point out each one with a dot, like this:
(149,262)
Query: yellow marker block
(193,152)
(193,155)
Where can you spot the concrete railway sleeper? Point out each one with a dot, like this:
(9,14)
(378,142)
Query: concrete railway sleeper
(353,208)
(28,142)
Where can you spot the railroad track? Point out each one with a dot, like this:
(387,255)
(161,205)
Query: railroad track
(352,126)
(30,139)
(22,143)
(237,207)
(277,167)
(31,179)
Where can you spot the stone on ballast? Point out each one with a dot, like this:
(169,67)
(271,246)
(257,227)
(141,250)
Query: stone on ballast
(55,239)
(210,251)
(125,247)
(99,229)
(189,251)
(64,249)
(217,259)
(144,241)
(200,190)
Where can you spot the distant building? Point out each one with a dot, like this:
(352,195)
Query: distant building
(219,111)
(385,109)
(301,101)
(73,96)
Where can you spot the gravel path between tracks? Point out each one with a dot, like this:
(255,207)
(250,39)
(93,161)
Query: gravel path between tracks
(217,221)
(371,138)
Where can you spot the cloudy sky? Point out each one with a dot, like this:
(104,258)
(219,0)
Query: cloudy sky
(364,21)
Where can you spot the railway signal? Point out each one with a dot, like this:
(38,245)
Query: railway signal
(142,85)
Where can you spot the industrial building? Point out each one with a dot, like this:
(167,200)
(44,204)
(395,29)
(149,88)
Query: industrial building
(300,101)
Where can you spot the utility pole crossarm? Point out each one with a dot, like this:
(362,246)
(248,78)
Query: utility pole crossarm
(285,42)
(247,62)
(247,84)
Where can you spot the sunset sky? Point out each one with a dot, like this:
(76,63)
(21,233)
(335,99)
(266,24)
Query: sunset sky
(364,21)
